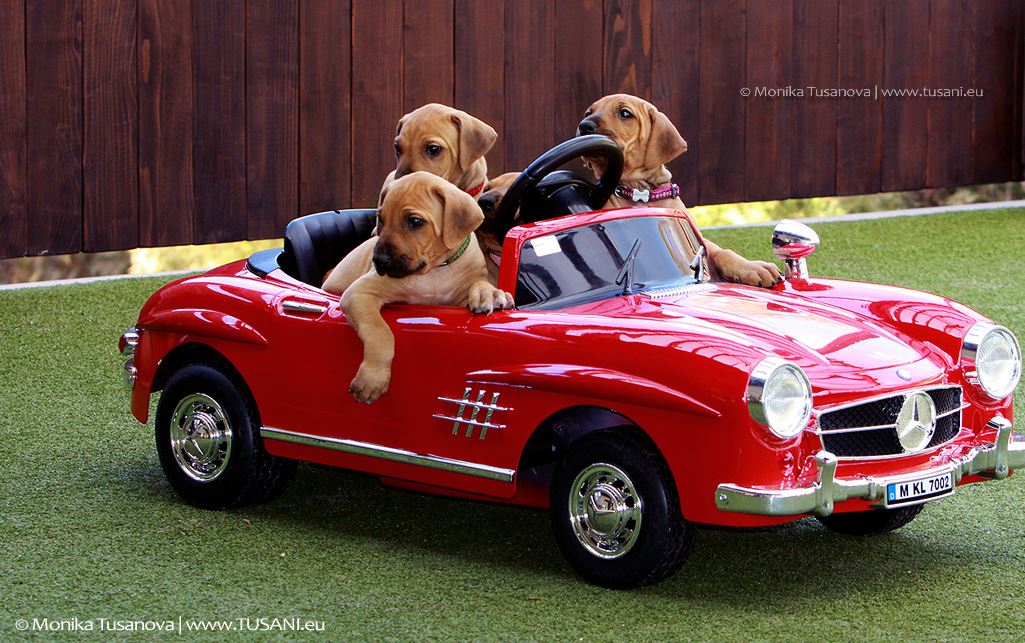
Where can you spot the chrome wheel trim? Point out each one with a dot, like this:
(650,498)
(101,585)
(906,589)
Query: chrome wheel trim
(200,437)
(605,510)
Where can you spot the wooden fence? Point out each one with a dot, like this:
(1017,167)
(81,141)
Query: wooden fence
(130,123)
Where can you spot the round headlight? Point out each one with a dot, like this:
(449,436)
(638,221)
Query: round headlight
(994,353)
(779,397)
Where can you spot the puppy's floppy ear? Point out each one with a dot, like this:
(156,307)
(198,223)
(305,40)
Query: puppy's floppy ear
(460,215)
(475,138)
(664,141)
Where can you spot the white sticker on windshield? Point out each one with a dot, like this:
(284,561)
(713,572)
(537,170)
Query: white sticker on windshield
(544,246)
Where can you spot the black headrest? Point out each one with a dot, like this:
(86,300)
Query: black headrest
(315,243)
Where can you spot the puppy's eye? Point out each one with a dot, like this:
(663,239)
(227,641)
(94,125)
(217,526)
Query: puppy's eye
(588,112)
(398,150)
(625,114)
(433,149)
(415,222)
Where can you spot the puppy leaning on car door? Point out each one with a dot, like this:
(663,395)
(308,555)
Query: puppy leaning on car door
(649,140)
(444,141)
(424,253)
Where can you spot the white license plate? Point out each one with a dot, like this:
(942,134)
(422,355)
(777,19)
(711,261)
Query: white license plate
(914,491)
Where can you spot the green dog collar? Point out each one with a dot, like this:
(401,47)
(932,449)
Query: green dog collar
(459,251)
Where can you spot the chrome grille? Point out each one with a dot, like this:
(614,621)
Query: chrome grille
(869,429)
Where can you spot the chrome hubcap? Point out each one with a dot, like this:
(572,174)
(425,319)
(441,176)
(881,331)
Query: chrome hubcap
(200,437)
(605,510)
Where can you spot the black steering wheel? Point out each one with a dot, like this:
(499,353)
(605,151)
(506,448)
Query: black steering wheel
(540,192)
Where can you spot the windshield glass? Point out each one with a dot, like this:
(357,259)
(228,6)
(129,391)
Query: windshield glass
(584,264)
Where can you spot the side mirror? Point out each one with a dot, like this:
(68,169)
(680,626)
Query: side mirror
(793,242)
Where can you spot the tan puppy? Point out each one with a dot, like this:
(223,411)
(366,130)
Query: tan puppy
(423,254)
(649,140)
(487,233)
(446,142)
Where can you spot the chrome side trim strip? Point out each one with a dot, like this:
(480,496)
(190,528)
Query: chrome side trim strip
(391,454)
(293,306)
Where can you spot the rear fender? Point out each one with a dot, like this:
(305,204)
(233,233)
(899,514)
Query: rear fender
(199,323)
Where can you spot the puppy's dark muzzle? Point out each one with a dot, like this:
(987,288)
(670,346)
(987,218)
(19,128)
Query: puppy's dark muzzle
(386,263)
(487,202)
(587,126)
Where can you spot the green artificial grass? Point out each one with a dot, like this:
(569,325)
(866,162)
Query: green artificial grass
(90,528)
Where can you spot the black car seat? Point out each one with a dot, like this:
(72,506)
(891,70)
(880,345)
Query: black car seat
(315,243)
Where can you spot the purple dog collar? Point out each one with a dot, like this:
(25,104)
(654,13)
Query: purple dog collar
(670,191)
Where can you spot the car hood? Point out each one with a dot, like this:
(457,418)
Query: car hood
(816,336)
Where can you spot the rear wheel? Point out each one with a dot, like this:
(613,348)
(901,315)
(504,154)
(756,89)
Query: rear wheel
(616,514)
(208,442)
(871,523)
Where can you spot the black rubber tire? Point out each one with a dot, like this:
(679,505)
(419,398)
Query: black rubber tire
(871,523)
(252,475)
(665,539)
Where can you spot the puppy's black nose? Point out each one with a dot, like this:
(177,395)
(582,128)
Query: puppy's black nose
(382,261)
(487,202)
(587,126)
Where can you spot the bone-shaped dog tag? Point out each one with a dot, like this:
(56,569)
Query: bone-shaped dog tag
(641,196)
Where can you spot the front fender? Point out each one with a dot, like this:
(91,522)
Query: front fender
(594,382)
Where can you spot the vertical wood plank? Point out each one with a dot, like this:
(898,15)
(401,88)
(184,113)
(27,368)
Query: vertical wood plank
(859,120)
(54,127)
(813,144)
(427,53)
(219,147)
(376,94)
(12,129)
(529,76)
(1018,95)
(767,133)
(675,76)
(952,65)
(325,43)
(995,77)
(722,158)
(166,207)
(628,47)
(479,83)
(272,115)
(578,62)
(905,118)
(110,167)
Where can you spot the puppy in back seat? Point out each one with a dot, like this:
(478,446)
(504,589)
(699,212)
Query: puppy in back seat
(444,141)
(424,253)
(649,140)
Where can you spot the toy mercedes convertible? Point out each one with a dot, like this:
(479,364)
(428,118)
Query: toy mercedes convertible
(631,392)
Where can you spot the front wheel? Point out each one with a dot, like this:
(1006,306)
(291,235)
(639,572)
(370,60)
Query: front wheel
(616,514)
(209,445)
(871,523)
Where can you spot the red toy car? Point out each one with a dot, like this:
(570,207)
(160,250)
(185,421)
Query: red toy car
(631,392)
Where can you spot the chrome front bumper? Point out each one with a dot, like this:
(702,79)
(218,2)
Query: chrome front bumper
(993,460)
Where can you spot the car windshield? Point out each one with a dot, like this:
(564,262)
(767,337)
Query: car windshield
(605,260)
